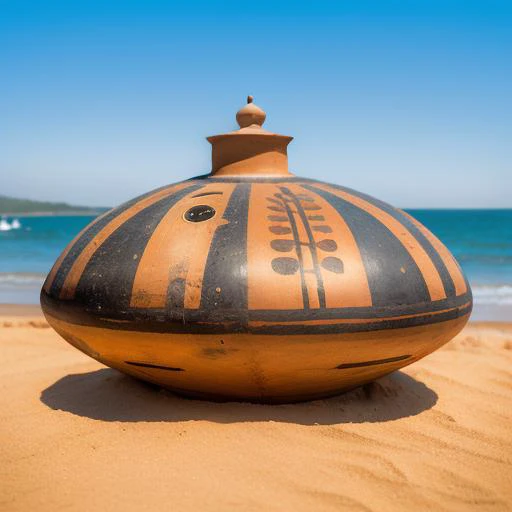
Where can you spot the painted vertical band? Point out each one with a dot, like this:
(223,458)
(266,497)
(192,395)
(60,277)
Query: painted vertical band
(433,250)
(58,273)
(225,277)
(94,240)
(455,273)
(412,245)
(107,279)
(393,280)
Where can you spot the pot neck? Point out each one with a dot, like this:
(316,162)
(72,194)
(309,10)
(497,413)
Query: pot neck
(251,150)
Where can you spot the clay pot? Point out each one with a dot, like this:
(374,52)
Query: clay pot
(252,284)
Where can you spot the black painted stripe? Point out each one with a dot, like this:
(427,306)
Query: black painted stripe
(446,278)
(222,322)
(107,280)
(298,251)
(374,362)
(312,245)
(156,366)
(88,235)
(384,256)
(76,312)
(248,179)
(294,315)
(224,285)
(397,323)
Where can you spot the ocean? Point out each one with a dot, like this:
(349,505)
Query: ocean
(481,240)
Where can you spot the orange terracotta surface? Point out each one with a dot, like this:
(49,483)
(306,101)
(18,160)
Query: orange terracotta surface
(252,284)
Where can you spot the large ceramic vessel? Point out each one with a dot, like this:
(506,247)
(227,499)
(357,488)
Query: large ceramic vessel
(250,283)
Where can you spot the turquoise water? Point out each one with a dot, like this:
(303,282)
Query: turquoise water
(481,240)
(28,253)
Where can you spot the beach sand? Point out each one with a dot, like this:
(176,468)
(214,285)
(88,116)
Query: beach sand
(76,435)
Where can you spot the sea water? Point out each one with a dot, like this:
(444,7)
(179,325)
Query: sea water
(481,240)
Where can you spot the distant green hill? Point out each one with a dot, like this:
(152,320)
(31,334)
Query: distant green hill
(12,205)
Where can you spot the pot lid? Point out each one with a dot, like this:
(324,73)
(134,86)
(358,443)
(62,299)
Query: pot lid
(251,150)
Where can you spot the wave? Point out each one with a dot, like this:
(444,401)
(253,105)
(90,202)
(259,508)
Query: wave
(493,294)
(6,226)
(21,279)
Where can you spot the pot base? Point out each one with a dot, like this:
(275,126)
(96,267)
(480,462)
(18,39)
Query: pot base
(258,368)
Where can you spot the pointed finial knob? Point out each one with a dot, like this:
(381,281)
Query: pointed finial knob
(250,114)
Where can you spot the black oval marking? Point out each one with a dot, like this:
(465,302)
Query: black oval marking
(333,264)
(327,245)
(209,194)
(280,230)
(278,218)
(199,213)
(316,217)
(322,229)
(372,362)
(155,366)
(276,208)
(285,266)
(282,245)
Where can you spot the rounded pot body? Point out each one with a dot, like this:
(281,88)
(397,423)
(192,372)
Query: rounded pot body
(256,288)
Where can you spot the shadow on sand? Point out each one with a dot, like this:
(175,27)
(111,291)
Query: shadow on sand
(108,395)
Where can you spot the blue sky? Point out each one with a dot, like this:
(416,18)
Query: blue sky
(408,101)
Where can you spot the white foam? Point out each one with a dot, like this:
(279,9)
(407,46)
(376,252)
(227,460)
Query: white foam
(21,279)
(4,224)
(493,294)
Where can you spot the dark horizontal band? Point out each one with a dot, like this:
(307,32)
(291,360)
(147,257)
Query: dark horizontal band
(221,322)
(250,179)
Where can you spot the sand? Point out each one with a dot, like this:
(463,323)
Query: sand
(76,435)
